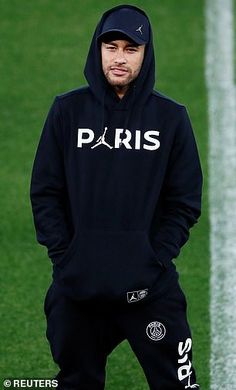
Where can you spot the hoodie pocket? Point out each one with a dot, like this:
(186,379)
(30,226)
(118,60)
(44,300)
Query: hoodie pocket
(108,264)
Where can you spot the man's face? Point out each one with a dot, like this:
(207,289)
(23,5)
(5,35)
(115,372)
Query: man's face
(121,63)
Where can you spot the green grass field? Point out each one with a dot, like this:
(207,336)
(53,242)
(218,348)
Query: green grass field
(43,47)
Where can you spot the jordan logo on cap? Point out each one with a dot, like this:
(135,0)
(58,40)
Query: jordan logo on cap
(139,29)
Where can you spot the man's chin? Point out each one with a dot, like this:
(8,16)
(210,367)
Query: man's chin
(118,81)
(118,84)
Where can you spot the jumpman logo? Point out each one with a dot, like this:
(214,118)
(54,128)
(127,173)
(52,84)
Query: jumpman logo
(139,29)
(101,140)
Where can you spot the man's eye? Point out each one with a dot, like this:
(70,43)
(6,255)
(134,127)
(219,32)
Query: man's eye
(111,47)
(131,49)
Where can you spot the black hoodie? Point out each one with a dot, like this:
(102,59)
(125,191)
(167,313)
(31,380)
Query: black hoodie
(116,185)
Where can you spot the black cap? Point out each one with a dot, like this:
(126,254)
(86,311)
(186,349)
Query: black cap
(129,22)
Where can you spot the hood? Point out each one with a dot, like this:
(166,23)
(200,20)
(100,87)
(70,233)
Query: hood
(142,85)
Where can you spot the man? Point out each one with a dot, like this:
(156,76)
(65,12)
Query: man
(116,186)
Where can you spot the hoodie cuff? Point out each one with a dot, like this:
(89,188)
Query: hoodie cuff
(164,256)
(57,256)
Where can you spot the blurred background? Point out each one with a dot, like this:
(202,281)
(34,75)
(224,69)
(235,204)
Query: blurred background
(43,48)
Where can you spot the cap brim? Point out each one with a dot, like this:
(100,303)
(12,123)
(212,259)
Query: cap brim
(133,37)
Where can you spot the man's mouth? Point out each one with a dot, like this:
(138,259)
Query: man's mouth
(116,71)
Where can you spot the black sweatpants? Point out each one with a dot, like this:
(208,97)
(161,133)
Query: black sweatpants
(81,337)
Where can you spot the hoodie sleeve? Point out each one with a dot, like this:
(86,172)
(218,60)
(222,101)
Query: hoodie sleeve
(48,188)
(181,194)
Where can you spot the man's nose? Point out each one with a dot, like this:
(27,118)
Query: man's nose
(120,57)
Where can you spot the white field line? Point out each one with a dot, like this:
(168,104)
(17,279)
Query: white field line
(222,190)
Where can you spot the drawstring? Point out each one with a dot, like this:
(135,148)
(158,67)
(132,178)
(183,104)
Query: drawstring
(127,118)
(103,111)
(131,109)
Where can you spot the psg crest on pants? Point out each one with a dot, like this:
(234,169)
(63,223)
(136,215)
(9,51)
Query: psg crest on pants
(156,331)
